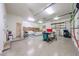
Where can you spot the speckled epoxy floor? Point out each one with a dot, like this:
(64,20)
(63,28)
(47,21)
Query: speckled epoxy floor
(34,46)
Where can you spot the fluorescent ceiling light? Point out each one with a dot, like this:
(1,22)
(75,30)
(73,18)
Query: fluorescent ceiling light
(49,10)
(31,19)
(40,21)
(56,18)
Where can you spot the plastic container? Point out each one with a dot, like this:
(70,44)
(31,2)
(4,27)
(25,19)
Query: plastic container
(45,36)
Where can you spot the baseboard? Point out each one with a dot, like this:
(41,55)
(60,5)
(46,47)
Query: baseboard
(17,39)
(0,52)
(75,43)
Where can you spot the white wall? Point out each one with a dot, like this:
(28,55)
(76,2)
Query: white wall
(2,26)
(48,25)
(76,30)
(13,19)
(59,31)
(29,24)
(40,26)
(11,23)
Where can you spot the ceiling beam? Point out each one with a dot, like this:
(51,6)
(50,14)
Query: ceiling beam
(69,13)
(44,9)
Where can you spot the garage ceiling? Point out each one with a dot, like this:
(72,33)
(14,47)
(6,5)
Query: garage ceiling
(36,9)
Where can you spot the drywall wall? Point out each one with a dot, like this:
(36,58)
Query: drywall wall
(75,30)
(11,23)
(13,18)
(48,24)
(2,26)
(29,24)
(58,30)
(40,25)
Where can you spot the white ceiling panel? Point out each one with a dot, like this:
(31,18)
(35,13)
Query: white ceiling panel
(24,9)
(36,7)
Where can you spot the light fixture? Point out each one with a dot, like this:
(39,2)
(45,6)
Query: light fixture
(49,10)
(40,21)
(31,19)
(56,18)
